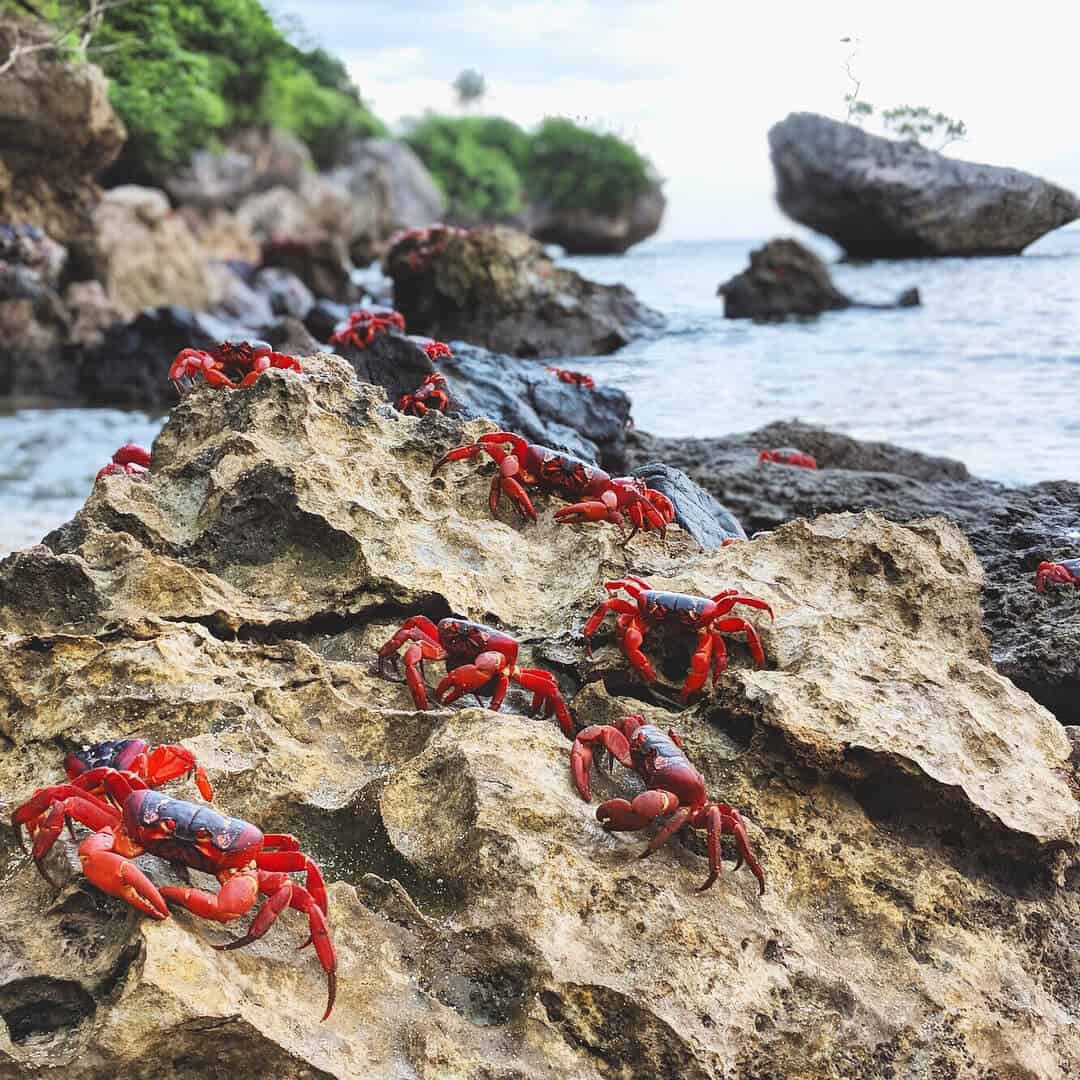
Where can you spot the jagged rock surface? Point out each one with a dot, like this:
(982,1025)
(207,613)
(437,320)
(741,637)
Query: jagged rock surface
(912,807)
(882,199)
(496,288)
(786,279)
(1035,637)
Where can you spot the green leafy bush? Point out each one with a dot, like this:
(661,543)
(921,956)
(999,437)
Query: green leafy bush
(477,177)
(183,73)
(573,168)
(484,164)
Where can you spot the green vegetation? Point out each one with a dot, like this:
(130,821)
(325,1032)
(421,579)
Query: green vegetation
(184,72)
(486,166)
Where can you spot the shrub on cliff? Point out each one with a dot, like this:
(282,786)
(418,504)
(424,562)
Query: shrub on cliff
(573,168)
(484,164)
(181,72)
(473,161)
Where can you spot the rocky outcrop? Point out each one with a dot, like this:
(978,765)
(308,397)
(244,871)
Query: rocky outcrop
(57,132)
(588,232)
(912,807)
(496,288)
(882,199)
(147,256)
(388,179)
(253,160)
(1035,637)
(785,279)
(518,395)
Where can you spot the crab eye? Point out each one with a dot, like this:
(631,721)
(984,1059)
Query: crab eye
(168,823)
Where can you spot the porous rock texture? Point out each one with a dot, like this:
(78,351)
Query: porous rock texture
(883,199)
(57,133)
(913,809)
(495,287)
(786,279)
(1035,637)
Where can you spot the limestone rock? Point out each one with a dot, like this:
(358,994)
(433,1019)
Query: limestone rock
(57,132)
(784,279)
(147,256)
(586,232)
(912,808)
(495,287)
(1035,637)
(882,199)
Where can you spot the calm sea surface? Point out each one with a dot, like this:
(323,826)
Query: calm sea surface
(987,371)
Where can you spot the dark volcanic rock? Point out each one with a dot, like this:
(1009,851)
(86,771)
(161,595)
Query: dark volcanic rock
(881,199)
(784,278)
(495,287)
(517,394)
(1035,637)
(709,523)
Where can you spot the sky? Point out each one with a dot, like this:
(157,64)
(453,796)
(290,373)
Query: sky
(696,84)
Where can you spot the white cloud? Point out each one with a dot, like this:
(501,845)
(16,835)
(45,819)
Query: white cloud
(697,83)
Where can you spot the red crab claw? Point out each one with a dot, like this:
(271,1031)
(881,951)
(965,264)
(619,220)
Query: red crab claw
(581,756)
(605,508)
(437,350)
(168,762)
(132,454)
(469,678)
(117,876)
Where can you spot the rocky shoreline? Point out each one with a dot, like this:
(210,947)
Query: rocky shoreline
(914,811)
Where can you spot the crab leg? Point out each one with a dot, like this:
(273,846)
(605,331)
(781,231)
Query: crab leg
(167,762)
(613,603)
(423,637)
(472,677)
(699,662)
(295,862)
(727,599)
(116,875)
(718,819)
(545,690)
(581,756)
(736,626)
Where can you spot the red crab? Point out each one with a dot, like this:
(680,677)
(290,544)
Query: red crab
(430,394)
(605,498)
(1066,572)
(788,455)
(363,327)
(131,459)
(478,659)
(130,818)
(423,245)
(86,766)
(675,788)
(228,362)
(575,378)
(707,617)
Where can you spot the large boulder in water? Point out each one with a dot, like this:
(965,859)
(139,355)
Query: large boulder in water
(913,810)
(589,232)
(882,199)
(495,287)
(784,279)
(1035,638)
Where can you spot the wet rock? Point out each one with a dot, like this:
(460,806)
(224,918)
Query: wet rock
(883,199)
(785,279)
(909,804)
(147,256)
(696,511)
(57,132)
(496,288)
(519,395)
(1035,638)
(587,232)
(285,292)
